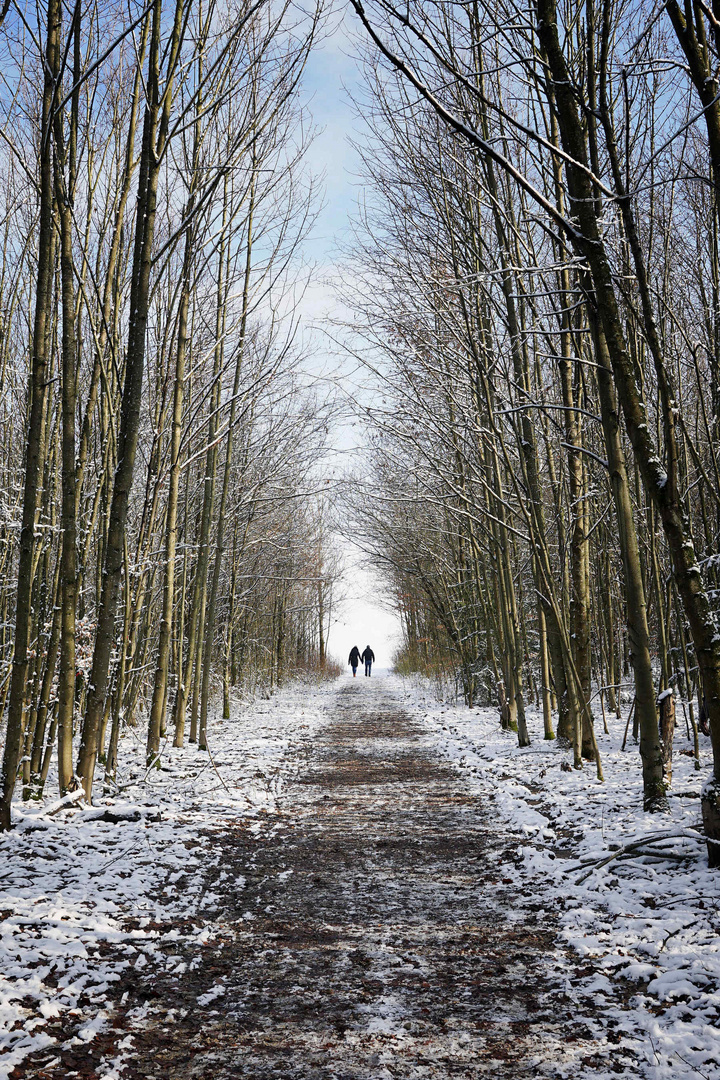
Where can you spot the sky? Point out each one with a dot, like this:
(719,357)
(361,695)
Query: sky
(362,616)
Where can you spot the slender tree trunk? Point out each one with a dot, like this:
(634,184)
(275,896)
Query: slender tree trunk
(38,745)
(196,632)
(545,674)
(190,675)
(580,584)
(527,441)
(68,576)
(35,435)
(179,717)
(157,708)
(117,699)
(220,537)
(637,626)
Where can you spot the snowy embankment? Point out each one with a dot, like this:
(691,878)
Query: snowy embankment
(86,893)
(647,923)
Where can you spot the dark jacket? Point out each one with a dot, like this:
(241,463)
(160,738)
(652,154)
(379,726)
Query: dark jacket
(354,658)
(368,655)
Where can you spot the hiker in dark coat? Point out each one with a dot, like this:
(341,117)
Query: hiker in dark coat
(354,659)
(367,658)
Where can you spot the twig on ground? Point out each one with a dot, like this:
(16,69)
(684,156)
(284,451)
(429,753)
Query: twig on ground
(704,1075)
(687,899)
(683,834)
(232,793)
(672,934)
(128,851)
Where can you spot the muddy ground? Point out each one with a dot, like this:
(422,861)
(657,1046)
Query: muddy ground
(369,929)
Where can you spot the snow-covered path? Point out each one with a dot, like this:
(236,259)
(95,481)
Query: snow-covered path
(329,897)
(372,948)
(366,928)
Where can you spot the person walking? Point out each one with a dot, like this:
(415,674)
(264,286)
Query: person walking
(368,658)
(354,659)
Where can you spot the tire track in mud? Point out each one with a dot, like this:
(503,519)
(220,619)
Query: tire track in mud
(372,933)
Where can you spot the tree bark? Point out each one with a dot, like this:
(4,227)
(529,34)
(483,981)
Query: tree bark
(35,435)
(157,708)
(68,576)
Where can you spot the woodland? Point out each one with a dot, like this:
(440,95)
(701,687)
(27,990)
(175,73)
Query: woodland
(162,529)
(534,282)
(217,857)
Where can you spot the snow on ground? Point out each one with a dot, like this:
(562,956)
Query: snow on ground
(647,923)
(86,892)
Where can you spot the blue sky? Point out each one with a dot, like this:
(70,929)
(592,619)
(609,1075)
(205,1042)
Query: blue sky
(331,72)
(331,76)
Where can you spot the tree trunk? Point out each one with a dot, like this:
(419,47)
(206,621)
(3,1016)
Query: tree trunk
(637,626)
(220,537)
(666,702)
(545,674)
(68,576)
(35,435)
(190,679)
(157,708)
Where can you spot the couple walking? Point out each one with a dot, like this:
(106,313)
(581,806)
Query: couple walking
(368,658)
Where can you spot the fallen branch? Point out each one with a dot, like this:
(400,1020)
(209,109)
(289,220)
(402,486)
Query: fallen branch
(684,900)
(660,855)
(233,794)
(70,799)
(683,834)
(627,726)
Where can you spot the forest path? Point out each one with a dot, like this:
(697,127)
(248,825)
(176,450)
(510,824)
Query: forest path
(363,931)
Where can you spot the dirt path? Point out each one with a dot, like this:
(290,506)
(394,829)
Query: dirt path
(364,932)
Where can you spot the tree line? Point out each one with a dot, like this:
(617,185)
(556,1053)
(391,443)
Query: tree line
(162,533)
(537,288)
(536,282)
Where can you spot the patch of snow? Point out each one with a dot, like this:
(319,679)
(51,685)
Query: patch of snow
(650,918)
(125,871)
(210,995)
(384,1015)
